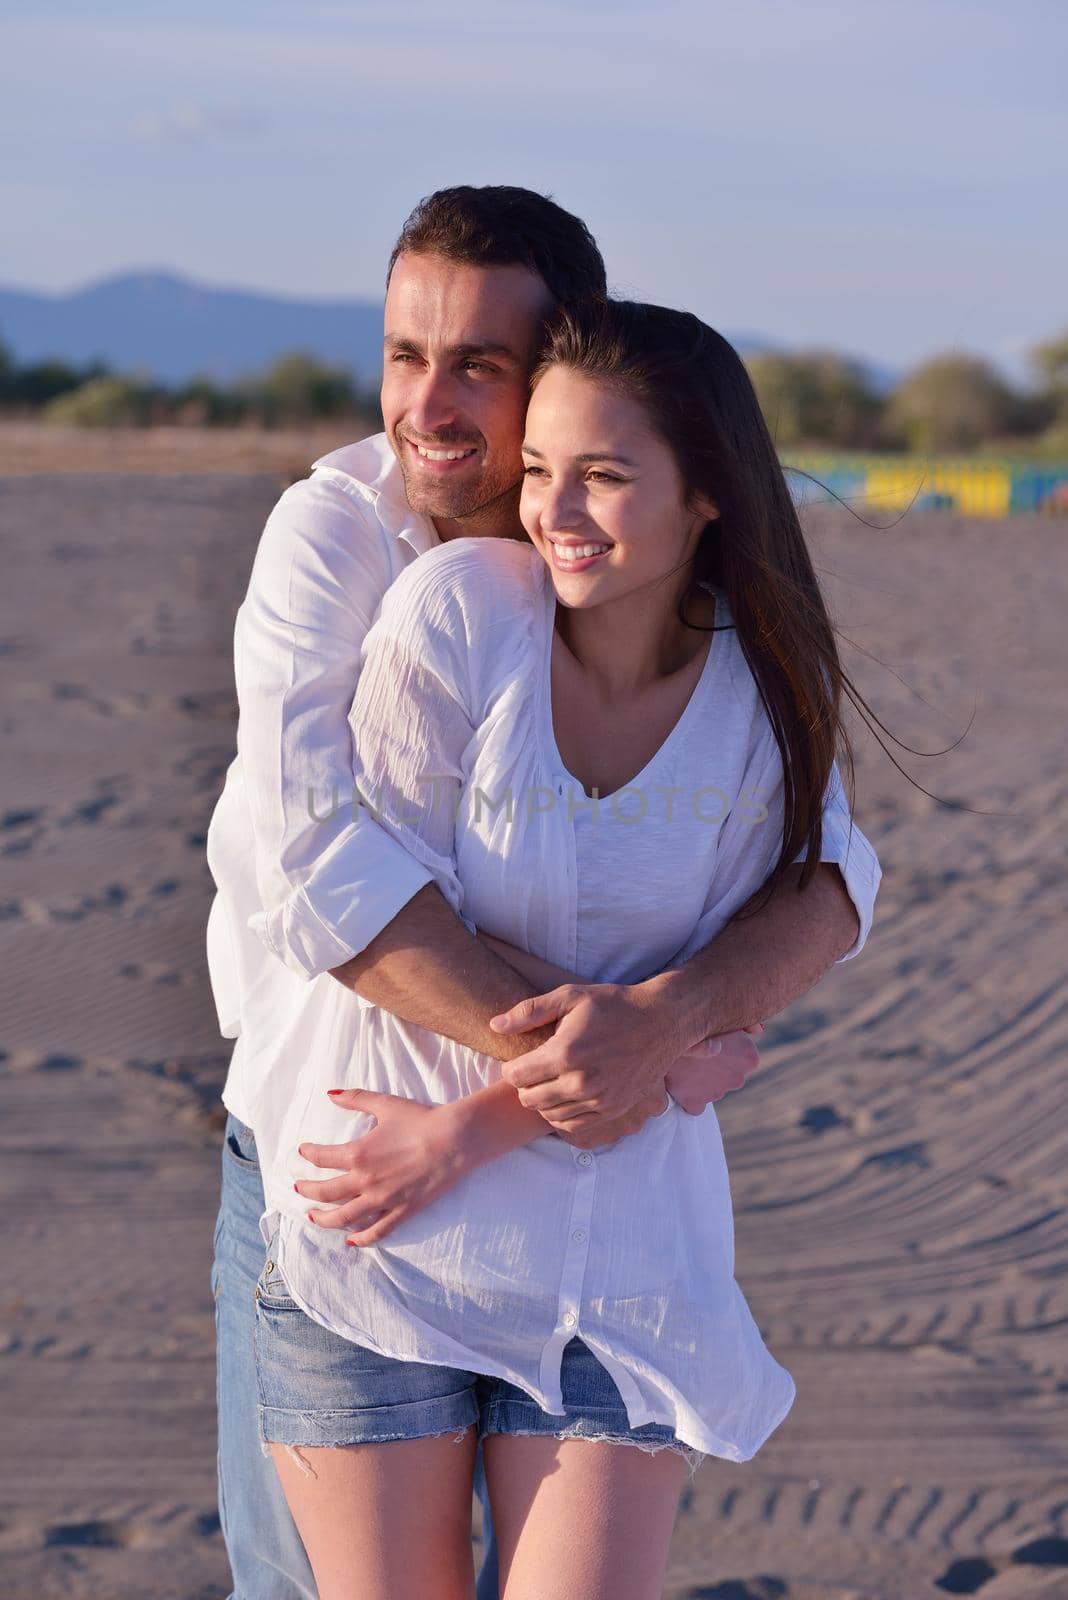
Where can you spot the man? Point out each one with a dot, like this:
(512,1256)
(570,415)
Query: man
(310,895)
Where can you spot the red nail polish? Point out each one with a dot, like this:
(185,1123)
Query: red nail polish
(296,1188)
(335,1091)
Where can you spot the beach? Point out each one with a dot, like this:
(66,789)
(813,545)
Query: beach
(898,1162)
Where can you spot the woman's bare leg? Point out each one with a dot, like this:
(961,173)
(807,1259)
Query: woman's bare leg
(581,1516)
(385,1521)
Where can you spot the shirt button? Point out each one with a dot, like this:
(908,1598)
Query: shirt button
(570,1319)
(578,1235)
(585,1158)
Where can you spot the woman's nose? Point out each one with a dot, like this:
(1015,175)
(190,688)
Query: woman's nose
(561,511)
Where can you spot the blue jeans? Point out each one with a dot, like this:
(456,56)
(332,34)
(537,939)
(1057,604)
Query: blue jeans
(267,1557)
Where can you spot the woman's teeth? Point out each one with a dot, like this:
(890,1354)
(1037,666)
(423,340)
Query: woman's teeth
(444,455)
(580,552)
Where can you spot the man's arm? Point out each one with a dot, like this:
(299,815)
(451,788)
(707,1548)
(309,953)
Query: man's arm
(733,972)
(760,963)
(427,968)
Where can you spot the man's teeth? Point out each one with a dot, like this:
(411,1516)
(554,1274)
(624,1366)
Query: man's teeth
(444,455)
(579,552)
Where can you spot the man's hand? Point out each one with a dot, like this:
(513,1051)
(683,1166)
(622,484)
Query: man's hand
(703,1075)
(410,1156)
(596,1130)
(612,1048)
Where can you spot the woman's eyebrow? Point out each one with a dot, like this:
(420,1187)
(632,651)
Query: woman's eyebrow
(595,455)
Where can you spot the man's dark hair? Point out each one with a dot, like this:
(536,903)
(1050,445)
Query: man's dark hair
(501,226)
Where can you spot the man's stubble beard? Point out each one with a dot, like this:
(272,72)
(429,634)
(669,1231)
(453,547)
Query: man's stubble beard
(479,505)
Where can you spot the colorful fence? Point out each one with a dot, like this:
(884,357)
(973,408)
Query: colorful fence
(974,487)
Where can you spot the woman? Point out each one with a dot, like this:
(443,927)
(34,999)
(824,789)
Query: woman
(603,744)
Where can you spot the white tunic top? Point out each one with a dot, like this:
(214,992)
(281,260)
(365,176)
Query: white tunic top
(630,1245)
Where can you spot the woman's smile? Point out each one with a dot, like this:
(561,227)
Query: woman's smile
(573,555)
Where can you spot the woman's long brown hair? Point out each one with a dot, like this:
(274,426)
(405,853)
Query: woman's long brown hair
(699,398)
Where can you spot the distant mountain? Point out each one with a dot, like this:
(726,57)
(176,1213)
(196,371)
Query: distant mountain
(173,328)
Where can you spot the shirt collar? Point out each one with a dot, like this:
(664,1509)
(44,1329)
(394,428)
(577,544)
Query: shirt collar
(374,466)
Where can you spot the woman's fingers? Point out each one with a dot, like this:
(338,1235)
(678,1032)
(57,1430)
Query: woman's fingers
(321,1189)
(351,1213)
(341,1156)
(378,1230)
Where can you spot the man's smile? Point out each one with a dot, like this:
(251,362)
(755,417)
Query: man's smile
(441,457)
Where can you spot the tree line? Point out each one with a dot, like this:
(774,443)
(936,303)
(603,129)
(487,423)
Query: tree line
(950,403)
(811,399)
(297,388)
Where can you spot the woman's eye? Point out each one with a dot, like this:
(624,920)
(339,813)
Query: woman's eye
(533,472)
(604,477)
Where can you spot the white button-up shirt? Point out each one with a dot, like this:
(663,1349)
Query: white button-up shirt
(630,1245)
(302,887)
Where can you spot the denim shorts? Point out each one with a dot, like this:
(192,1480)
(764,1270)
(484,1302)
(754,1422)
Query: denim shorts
(317,1388)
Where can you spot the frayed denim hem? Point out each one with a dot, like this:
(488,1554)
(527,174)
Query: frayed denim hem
(293,1451)
(651,1447)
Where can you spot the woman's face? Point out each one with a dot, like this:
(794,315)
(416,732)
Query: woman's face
(603,500)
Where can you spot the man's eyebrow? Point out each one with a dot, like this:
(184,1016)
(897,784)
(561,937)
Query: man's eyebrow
(462,352)
(500,352)
(596,455)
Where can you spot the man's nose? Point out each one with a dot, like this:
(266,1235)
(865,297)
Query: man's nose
(433,404)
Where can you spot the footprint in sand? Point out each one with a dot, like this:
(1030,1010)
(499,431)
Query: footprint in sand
(1050,1551)
(968,1574)
(817,1119)
(762,1588)
(88,1535)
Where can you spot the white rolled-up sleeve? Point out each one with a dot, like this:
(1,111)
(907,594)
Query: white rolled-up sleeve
(846,847)
(329,877)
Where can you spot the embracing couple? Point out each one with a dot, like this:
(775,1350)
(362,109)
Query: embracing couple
(536,813)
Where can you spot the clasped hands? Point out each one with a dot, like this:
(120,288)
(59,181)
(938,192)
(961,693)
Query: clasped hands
(609,1066)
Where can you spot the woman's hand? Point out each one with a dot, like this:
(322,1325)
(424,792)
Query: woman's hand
(713,1068)
(413,1154)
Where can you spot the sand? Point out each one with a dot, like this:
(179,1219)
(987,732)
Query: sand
(29,448)
(898,1162)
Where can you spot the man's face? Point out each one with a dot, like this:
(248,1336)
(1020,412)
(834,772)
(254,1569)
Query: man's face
(459,343)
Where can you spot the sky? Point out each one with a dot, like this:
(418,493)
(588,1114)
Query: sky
(886,180)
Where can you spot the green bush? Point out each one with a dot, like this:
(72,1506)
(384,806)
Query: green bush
(107,402)
(816,396)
